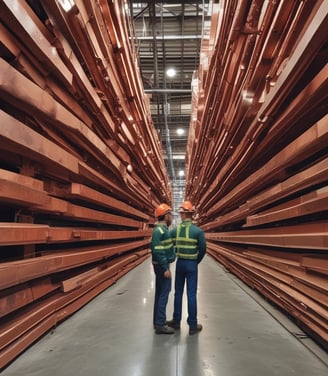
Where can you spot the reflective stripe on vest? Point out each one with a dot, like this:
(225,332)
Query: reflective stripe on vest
(186,247)
(165,244)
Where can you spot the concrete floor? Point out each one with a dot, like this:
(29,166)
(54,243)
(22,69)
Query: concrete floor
(113,335)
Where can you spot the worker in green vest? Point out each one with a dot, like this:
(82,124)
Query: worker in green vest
(190,248)
(162,255)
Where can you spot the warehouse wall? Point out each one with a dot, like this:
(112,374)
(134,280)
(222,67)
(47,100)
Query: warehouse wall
(260,130)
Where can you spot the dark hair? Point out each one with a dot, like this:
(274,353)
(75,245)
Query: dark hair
(161,217)
(188,214)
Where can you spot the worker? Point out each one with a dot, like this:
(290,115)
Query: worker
(190,248)
(162,255)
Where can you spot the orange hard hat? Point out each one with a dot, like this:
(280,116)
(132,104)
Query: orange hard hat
(162,209)
(187,206)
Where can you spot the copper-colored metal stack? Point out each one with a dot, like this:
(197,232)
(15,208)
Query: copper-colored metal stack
(257,152)
(81,165)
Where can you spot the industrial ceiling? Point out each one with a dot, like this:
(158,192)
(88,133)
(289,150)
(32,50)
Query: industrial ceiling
(168,36)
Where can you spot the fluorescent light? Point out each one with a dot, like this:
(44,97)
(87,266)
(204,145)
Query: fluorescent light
(181,173)
(180,131)
(176,157)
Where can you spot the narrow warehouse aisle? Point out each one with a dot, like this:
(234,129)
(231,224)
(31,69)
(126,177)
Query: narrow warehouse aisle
(95,132)
(113,335)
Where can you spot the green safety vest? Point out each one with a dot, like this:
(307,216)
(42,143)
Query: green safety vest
(185,245)
(162,246)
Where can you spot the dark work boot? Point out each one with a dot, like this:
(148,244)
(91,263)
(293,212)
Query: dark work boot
(196,329)
(163,330)
(173,324)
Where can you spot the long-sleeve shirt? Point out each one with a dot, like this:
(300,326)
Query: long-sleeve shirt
(161,246)
(189,241)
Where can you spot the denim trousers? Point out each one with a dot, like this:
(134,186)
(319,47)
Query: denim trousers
(186,270)
(162,290)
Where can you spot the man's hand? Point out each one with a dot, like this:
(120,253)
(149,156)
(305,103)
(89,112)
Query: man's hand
(167,273)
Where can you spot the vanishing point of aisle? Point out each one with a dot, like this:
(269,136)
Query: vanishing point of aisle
(113,335)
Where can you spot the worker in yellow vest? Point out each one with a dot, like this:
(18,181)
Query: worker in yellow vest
(190,249)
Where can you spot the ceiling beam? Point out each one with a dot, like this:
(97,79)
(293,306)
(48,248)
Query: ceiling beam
(169,37)
(168,90)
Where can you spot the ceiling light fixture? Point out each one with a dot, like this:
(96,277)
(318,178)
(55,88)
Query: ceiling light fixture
(171,72)
(180,131)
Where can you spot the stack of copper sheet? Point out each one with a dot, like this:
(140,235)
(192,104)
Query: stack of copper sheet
(81,167)
(257,151)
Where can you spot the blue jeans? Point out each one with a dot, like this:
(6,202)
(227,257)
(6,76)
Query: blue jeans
(186,270)
(162,290)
